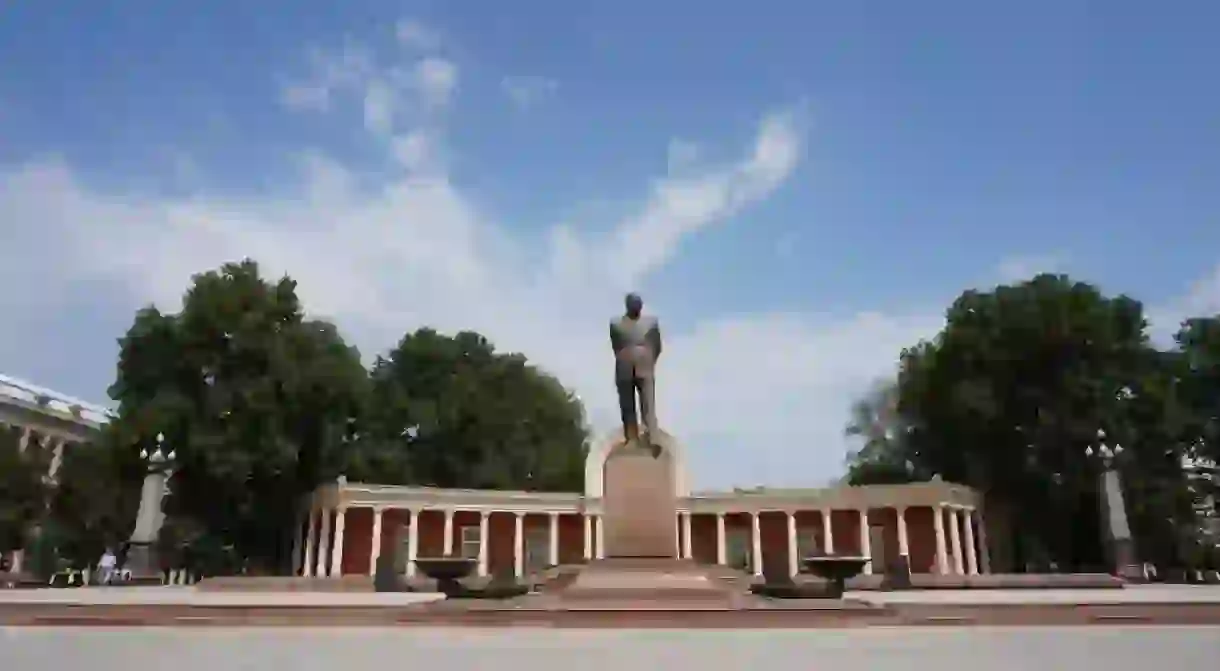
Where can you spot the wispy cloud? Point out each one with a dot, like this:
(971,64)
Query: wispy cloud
(528,91)
(414,249)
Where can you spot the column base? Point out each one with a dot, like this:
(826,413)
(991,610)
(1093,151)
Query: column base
(142,564)
(1125,564)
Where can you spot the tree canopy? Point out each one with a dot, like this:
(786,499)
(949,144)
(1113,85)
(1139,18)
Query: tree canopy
(1010,398)
(261,404)
(96,497)
(452,412)
(256,402)
(23,488)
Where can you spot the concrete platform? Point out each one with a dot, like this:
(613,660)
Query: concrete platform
(1131,595)
(189,596)
(184,606)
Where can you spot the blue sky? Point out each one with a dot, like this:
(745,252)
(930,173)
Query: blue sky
(799,189)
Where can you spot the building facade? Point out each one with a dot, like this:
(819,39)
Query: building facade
(347,526)
(47,420)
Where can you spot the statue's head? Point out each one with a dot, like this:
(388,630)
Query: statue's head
(634,305)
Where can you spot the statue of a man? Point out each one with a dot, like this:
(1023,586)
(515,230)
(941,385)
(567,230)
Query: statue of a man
(636,339)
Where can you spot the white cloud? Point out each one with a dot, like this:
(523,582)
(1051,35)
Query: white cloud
(1201,299)
(409,92)
(416,35)
(1021,268)
(758,397)
(527,91)
(436,79)
(681,155)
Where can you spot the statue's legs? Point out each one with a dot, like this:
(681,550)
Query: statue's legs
(626,408)
(648,406)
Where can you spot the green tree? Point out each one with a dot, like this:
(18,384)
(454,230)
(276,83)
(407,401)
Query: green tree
(256,402)
(877,427)
(1199,343)
(452,412)
(1013,391)
(96,498)
(23,486)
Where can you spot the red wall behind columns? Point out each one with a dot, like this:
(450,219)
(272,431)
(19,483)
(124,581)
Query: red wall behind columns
(357,540)
(846,531)
(921,539)
(571,539)
(703,538)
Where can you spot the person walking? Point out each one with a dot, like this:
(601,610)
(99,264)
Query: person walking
(105,567)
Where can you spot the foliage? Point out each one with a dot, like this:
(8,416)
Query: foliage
(261,405)
(876,424)
(97,496)
(23,486)
(1011,394)
(453,412)
(255,401)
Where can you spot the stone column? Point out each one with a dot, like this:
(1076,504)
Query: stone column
(828,534)
(336,555)
(298,545)
(140,560)
(756,542)
(448,548)
(311,544)
(375,552)
(601,537)
(721,557)
(904,546)
(519,544)
(938,525)
(57,459)
(412,541)
(483,524)
(678,534)
(972,566)
(688,545)
(955,537)
(793,564)
(866,541)
(588,536)
(984,550)
(323,545)
(553,554)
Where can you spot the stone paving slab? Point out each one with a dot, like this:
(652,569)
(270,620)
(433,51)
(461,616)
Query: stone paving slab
(767,618)
(1133,594)
(1108,648)
(188,596)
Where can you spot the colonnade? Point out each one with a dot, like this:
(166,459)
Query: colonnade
(319,552)
(56,445)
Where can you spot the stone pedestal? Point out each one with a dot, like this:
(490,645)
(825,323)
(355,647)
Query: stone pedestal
(640,506)
(641,570)
(142,564)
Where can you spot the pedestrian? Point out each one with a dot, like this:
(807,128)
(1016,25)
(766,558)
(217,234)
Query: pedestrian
(105,567)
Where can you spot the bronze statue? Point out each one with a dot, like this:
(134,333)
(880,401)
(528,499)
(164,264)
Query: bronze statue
(636,339)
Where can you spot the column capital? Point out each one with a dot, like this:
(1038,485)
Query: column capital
(519,513)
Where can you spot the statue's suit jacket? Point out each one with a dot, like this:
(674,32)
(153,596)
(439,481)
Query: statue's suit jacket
(637,344)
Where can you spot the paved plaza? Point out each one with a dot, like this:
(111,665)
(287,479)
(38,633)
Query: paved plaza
(944,649)
(189,596)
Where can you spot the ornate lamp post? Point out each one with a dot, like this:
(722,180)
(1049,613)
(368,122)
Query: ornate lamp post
(1114,510)
(140,560)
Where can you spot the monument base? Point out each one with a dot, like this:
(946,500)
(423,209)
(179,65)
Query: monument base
(651,583)
(141,565)
(641,506)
